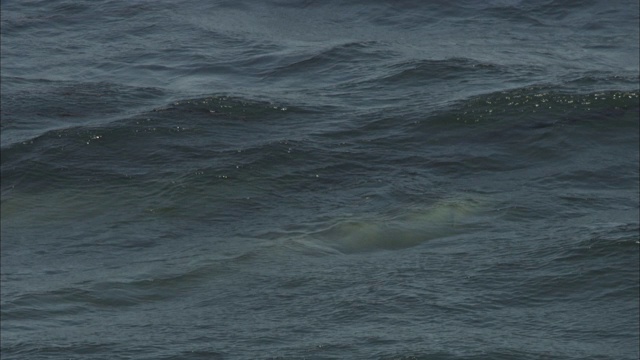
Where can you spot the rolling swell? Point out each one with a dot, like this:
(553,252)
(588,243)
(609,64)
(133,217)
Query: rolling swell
(205,132)
(56,105)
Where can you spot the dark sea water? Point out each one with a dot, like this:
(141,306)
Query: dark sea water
(320,179)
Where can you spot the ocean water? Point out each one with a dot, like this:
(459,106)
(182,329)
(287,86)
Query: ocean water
(288,179)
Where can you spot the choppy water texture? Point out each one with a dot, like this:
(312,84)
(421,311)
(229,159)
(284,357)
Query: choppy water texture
(320,180)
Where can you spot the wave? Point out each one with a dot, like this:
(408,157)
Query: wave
(542,105)
(303,140)
(179,116)
(337,63)
(138,290)
(446,69)
(32,107)
(230,108)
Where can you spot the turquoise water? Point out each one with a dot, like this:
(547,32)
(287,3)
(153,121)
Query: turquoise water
(322,180)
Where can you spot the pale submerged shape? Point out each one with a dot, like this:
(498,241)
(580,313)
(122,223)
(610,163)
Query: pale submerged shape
(412,228)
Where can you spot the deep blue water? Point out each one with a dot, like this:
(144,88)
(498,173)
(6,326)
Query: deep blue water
(320,180)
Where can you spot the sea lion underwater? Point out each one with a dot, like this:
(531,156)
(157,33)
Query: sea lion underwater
(413,227)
